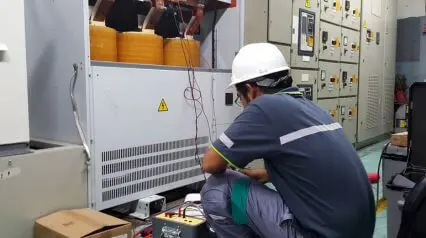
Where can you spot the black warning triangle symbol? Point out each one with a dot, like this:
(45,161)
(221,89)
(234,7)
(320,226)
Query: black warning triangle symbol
(163,106)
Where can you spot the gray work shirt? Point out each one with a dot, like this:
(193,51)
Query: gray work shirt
(310,161)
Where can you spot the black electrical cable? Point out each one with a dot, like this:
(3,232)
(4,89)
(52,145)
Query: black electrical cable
(378,172)
(194,91)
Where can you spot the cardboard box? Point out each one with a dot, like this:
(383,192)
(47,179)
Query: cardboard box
(400,139)
(81,223)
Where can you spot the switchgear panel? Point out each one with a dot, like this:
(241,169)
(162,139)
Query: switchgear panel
(351,14)
(305,35)
(306,80)
(331,11)
(350,46)
(330,45)
(348,79)
(328,80)
(348,110)
(331,106)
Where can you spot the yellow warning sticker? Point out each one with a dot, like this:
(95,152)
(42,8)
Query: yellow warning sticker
(311,41)
(308,3)
(338,5)
(365,24)
(163,106)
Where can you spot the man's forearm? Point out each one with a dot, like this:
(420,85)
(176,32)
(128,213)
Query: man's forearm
(260,175)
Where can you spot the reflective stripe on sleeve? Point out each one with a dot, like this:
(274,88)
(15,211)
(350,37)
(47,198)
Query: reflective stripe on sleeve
(226,141)
(308,131)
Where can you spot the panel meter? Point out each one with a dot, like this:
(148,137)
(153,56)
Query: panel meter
(307,90)
(347,5)
(345,78)
(369,35)
(306,32)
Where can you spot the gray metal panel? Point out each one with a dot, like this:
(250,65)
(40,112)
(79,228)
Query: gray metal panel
(330,45)
(348,116)
(285,50)
(352,17)
(57,37)
(229,34)
(306,78)
(40,183)
(331,106)
(348,86)
(331,11)
(279,25)
(409,39)
(297,60)
(370,114)
(255,21)
(139,151)
(350,46)
(328,80)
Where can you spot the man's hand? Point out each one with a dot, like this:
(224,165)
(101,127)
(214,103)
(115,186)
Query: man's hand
(260,175)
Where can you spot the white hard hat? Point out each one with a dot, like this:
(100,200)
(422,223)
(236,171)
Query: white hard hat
(256,60)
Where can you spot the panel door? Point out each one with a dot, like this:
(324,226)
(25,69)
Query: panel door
(330,37)
(348,116)
(350,46)
(306,80)
(351,14)
(348,79)
(328,80)
(331,11)
(279,25)
(331,106)
(299,59)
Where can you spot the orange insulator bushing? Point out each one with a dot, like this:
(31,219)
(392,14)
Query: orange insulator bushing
(103,43)
(140,47)
(182,52)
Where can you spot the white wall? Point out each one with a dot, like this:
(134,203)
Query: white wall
(410,8)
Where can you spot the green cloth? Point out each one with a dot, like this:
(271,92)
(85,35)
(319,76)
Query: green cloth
(239,194)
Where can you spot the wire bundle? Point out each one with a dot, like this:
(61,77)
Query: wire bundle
(193,92)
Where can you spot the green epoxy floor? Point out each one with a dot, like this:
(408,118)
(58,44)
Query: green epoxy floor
(370,158)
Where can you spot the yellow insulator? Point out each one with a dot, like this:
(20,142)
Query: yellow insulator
(103,43)
(140,47)
(182,52)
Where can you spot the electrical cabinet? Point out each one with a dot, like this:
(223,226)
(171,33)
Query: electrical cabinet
(306,80)
(351,14)
(372,69)
(348,116)
(285,50)
(331,106)
(348,79)
(255,21)
(330,42)
(331,11)
(328,80)
(279,25)
(350,46)
(305,34)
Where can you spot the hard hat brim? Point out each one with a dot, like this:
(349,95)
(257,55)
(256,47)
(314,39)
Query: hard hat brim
(235,82)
